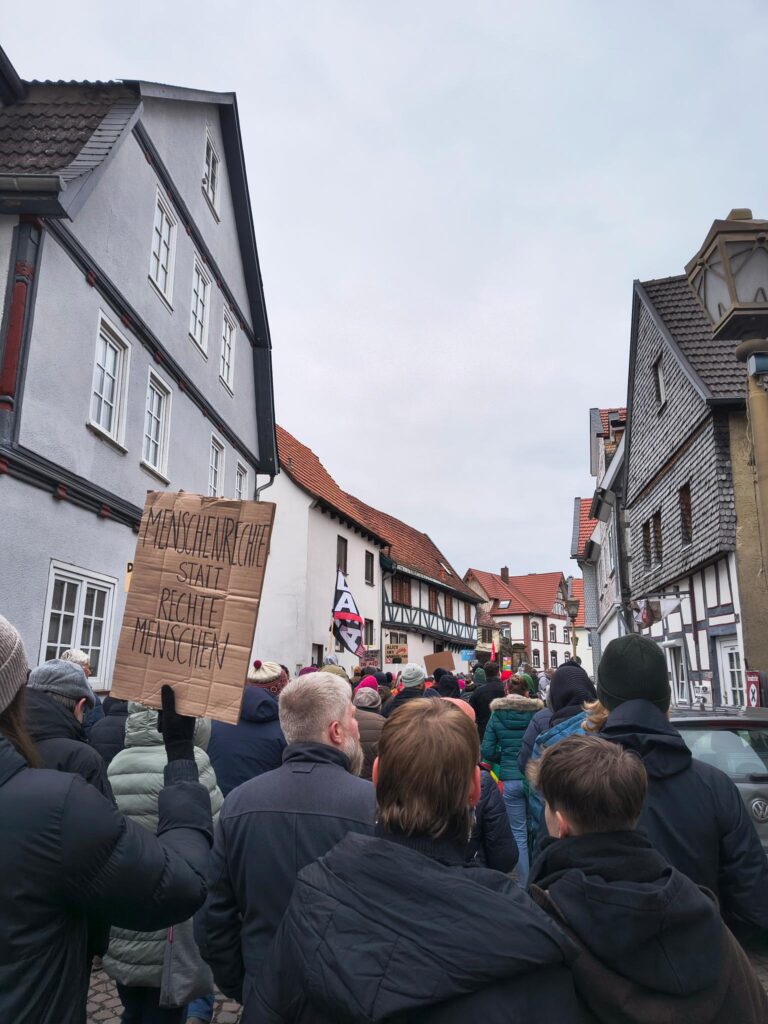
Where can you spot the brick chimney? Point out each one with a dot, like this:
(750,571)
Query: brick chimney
(505,574)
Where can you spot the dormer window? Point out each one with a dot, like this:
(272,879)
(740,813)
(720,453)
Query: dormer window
(211,174)
(658,383)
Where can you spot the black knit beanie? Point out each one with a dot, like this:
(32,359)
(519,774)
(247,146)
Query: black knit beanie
(633,667)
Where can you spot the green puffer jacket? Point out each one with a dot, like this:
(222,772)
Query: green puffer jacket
(503,736)
(136,777)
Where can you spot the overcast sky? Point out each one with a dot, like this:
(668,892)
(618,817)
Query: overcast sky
(451,203)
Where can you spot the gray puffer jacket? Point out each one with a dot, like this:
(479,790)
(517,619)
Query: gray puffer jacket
(136,777)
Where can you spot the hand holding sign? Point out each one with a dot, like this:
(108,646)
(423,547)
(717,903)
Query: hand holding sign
(178,730)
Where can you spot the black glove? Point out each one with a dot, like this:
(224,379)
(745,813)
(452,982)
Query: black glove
(178,730)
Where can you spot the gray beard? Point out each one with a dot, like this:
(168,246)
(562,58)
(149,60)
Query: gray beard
(354,752)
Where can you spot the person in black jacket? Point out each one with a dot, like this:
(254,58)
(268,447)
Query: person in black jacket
(491,842)
(413,679)
(58,695)
(271,827)
(397,926)
(488,691)
(693,813)
(68,856)
(653,947)
(256,744)
(570,688)
(108,734)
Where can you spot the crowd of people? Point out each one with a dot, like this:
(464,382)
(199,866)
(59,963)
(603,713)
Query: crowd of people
(376,847)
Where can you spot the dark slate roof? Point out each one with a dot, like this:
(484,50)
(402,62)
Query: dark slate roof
(44,132)
(714,361)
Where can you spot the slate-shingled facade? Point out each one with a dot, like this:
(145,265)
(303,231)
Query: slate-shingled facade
(105,392)
(688,487)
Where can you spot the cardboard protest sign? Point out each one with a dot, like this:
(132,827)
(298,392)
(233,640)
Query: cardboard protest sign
(396,654)
(442,660)
(191,610)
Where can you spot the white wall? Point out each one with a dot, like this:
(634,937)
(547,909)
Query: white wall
(281,630)
(321,583)
(584,651)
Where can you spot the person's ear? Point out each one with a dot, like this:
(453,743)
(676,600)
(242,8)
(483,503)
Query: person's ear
(375,772)
(563,825)
(79,710)
(336,734)
(474,789)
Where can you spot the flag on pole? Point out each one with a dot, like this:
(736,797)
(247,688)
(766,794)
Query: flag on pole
(346,621)
(493,650)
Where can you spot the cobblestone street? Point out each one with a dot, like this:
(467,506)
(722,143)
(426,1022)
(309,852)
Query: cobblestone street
(104,1005)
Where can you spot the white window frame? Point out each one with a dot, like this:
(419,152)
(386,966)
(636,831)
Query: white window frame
(732,696)
(536,659)
(566,634)
(123,369)
(660,387)
(228,381)
(552,633)
(211,194)
(161,469)
(83,578)
(198,268)
(241,469)
(534,631)
(165,206)
(218,444)
(553,659)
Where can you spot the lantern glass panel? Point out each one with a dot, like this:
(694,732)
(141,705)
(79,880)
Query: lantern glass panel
(712,287)
(749,267)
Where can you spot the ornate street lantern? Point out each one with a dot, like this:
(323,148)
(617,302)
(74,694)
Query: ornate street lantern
(729,275)
(572,607)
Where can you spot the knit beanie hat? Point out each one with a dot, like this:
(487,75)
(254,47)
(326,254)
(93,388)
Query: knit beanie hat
(447,685)
(570,685)
(62,677)
(267,675)
(367,683)
(335,670)
(462,706)
(633,667)
(367,698)
(413,675)
(437,673)
(307,669)
(479,676)
(13,663)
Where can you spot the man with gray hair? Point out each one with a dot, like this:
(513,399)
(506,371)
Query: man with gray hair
(57,699)
(274,825)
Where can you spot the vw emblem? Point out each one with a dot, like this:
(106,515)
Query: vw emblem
(760,810)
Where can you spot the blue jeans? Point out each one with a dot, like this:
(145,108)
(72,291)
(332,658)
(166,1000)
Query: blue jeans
(517,812)
(202,1008)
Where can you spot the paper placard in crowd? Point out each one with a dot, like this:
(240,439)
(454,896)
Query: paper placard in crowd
(191,611)
(442,660)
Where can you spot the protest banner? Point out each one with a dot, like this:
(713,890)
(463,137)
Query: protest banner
(442,660)
(396,654)
(191,611)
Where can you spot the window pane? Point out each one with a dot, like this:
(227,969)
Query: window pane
(53,628)
(65,640)
(70,596)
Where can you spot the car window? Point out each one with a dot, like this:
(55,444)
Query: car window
(737,752)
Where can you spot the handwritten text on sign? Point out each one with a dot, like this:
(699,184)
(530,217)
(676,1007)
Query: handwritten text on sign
(191,611)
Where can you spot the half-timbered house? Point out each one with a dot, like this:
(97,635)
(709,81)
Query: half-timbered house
(694,545)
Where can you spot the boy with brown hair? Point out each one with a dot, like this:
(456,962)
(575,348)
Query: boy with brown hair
(396,926)
(653,946)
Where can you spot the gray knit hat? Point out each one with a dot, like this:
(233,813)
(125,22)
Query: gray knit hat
(13,663)
(413,675)
(62,677)
(367,698)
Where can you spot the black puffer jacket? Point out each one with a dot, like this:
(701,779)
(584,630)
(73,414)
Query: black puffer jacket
(67,858)
(268,830)
(60,740)
(694,816)
(108,734)
(654,950)
(481,702)
(402,930)
(492,843)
